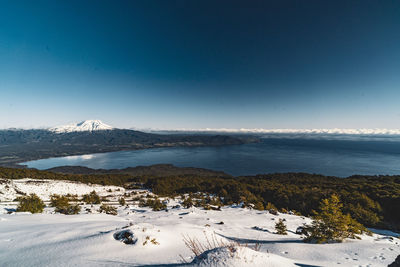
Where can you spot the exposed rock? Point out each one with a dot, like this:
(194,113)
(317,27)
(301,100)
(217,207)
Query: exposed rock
(301,231)
(396,262)
(125,236)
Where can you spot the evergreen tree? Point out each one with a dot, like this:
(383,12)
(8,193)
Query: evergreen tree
(259,205)
(330,224)
(280,228)
(187,202)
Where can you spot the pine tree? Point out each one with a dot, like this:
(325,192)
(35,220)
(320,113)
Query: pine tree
(259,205)
(280,228)
(330,224)
(187,202)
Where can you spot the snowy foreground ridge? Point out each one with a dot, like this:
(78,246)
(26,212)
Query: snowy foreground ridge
(89,238)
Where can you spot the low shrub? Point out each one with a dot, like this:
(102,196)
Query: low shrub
(156,204)
(58,201)
(108,209)
(69,210)
(259,205)
(62,205)
(91,198)
(271,208)
(31,203)
(187,203)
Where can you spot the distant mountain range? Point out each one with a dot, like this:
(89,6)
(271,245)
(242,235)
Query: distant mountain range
(363,131)
(93,136)
(98,125)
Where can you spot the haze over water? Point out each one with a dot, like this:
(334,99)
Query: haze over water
(323,156)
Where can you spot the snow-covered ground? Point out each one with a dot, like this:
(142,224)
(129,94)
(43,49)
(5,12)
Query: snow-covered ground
(87,239)
(11,189)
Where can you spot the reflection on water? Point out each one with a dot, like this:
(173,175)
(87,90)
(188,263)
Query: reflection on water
(80,157)
(329,157)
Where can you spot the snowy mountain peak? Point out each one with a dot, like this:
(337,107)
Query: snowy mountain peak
(84,126)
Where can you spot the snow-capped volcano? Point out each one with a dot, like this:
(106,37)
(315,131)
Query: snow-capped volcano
(84,126)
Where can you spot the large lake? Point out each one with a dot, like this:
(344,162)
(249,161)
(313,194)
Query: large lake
(323,156)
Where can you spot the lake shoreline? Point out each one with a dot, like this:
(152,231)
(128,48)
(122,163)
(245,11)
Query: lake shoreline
(340,158)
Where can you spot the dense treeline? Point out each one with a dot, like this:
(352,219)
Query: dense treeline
(371,200)
(103,179)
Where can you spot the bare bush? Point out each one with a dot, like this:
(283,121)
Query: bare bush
(211,242)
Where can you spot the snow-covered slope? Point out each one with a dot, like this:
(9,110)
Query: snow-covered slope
(11,189)
(84,126)
(87,239)
(240,256)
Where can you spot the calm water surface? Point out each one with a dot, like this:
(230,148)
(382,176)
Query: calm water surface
(329,157)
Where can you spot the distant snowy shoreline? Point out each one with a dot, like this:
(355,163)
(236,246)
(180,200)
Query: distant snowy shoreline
(290,131)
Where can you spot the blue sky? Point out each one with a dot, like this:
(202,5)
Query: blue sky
(197,64)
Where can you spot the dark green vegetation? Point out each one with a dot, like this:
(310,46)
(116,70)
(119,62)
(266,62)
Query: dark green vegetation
(155,204)
(108,209)
(62,205)
(91,198)
(22,145)
(331,225)
(280,227)
(122,201)
(158,170)
(31,203)
(370,200)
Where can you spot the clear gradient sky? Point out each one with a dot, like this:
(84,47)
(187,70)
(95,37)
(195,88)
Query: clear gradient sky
(197,64)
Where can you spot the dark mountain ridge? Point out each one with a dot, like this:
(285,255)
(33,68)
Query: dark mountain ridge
(157,170)
(22,145)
